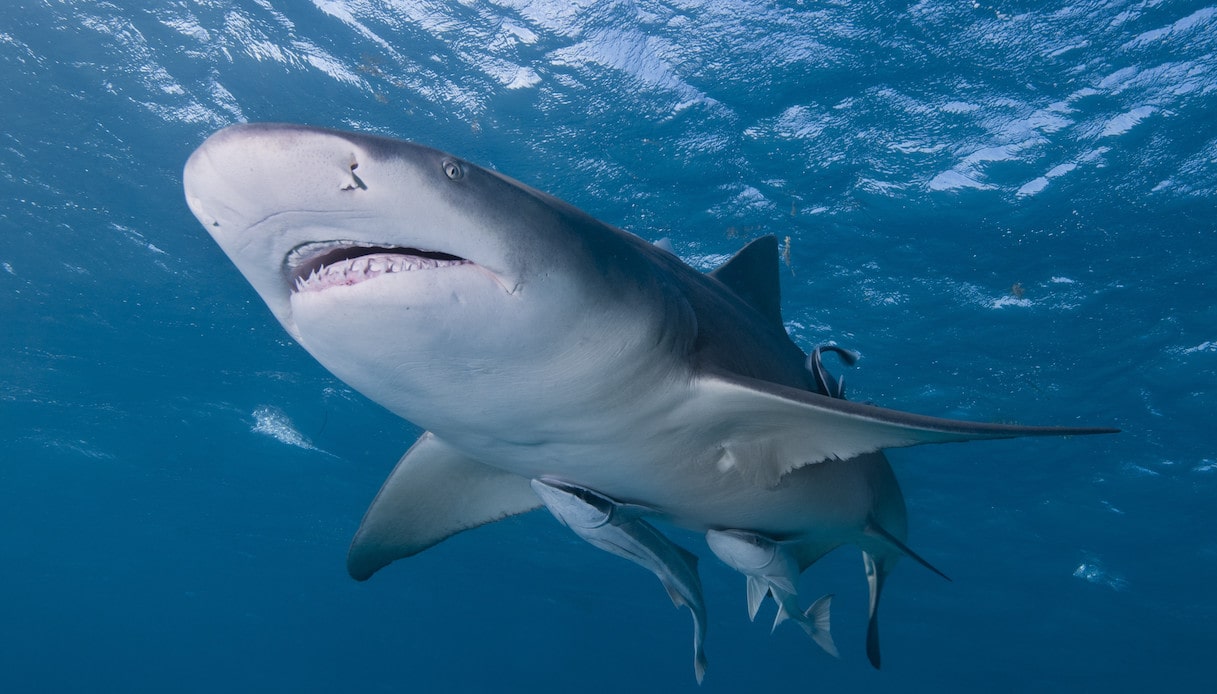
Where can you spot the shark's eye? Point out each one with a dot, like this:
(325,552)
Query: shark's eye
(452,170)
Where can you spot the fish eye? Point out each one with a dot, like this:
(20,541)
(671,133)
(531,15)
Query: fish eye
(452,170)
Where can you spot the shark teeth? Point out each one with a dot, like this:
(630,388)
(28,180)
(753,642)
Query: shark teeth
(345,273)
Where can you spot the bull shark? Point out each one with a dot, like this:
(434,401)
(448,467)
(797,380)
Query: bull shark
(533,342)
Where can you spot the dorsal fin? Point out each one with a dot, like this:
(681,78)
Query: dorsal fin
(665,244)
(753,275)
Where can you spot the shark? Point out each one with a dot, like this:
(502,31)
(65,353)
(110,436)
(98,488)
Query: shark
(531,341)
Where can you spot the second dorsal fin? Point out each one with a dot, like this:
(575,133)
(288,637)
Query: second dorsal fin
(752,274)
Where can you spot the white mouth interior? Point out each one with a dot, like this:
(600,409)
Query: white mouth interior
(315,267)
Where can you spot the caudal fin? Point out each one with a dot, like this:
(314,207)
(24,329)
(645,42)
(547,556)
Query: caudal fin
(699,664)
(817,625)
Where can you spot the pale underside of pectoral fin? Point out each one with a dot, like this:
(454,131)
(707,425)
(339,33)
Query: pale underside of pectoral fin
(758,589)
(433,493)
(769,430)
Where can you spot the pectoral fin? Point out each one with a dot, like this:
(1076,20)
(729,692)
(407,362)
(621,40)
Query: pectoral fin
(772,429)
(432,494)
(757,590)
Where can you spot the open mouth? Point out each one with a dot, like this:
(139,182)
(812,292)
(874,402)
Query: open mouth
(317,266)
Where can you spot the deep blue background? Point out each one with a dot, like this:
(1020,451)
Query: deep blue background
(178,480)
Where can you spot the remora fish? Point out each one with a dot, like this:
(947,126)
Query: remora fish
(531,340)
(618,529)
(772,570)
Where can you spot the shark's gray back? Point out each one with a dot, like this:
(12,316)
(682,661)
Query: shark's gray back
(738,316)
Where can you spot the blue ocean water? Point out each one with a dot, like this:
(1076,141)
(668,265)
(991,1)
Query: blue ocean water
(1009,209)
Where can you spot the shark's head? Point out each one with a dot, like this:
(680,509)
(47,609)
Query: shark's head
(400,267)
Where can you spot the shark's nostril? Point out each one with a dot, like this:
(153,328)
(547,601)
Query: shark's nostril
(356,181)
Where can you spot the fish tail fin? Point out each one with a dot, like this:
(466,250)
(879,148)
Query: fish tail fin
(699,665)
(817,625)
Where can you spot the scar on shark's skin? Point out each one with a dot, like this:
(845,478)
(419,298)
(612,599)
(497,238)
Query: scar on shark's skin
(555,360)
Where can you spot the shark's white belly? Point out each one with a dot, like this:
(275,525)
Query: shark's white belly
(688,484)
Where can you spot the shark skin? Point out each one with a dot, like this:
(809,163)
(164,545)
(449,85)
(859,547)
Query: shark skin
(532,341)
(618,529)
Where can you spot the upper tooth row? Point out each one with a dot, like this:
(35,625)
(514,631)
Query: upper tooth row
(374,266)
